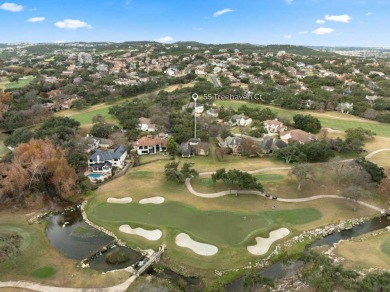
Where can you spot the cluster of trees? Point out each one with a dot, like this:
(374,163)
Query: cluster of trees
(172,172)
(320,273)
(10,244)
(307,123)
(237,178)
(38,167)
(313,151)
(60,130)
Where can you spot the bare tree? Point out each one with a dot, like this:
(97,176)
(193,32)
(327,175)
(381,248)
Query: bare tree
(340,167)
(303,172)
(355,193)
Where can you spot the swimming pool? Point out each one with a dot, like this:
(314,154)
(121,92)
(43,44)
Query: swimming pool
(96,175)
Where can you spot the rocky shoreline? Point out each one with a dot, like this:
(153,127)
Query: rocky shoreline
(309,235)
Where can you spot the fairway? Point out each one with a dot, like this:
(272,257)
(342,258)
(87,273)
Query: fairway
(333,120)
(21,83)
(385,247)
(215,227)
(269,177)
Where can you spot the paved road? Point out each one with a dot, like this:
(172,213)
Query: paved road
(45,288)
(215,81)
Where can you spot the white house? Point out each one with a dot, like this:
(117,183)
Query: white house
(150,145)
(146,125)
(274,126)
(240,120)
(103,161)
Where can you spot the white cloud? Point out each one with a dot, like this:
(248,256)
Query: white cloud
(165,39)
(369,13)
(320,21)
(13,7)
(345,18)
(323,30)
(72,24)
(303,32)
(36,19)
(223,11)
(287,36)
(289,1)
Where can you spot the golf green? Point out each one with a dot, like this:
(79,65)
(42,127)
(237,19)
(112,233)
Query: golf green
(216,227)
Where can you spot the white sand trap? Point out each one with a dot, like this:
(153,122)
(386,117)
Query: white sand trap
(148,234)
(119,201)
(153,200)
(184,240)
(263,244)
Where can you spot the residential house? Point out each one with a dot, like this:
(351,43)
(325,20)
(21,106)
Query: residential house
(202,149)
(103,161)
(150,145)
(240,120)
(296,135)
(146,125)
(274,126)
(185,150)
(198,110)
(269,144)
(232,143)
(345,107)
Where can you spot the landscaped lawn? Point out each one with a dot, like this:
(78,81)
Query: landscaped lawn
(216,227)
(332,120)
(269,177)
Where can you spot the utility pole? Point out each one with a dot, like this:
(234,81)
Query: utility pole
(195,98)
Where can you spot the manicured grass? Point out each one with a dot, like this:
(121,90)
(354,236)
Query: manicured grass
(385,247)
(371,252)
(37,253)
(269,177)
(141,173)
(216,227)
(85,117)
(332,120)
(21,83)
(44,273)
(206,181)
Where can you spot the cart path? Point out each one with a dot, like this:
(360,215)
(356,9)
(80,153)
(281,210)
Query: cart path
(45,288)
(225,193)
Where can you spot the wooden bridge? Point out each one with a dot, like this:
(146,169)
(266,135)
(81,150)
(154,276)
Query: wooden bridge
(155,257)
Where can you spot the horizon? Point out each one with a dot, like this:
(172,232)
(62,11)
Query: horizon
(352,23)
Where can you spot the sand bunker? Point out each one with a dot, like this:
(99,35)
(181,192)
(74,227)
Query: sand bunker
(184,240)
(153,200)
(263,244)
(119,201)
(148,234)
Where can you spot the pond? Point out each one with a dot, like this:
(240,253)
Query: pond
(75,239)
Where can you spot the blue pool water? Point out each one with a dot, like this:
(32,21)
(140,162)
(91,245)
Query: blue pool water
(95,175)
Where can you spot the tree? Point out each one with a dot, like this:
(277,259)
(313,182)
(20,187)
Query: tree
(303,172)
(354,193)
(173,174)
(10,244)
(172,147)
(38,164)
(307,123)
(248,147)
(384,186)
(359,134)
(339,167)
(377,173)
(290,153)
(238,178)
(317,151)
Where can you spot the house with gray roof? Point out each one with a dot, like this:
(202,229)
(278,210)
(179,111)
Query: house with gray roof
(104,161)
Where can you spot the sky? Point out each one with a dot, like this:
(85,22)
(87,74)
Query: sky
(296,22)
